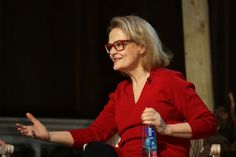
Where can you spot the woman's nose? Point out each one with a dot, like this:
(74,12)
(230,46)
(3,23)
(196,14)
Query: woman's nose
(112,51)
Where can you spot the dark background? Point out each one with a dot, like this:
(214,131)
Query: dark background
(53,63)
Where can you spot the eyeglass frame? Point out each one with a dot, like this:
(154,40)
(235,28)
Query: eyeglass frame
(124,43)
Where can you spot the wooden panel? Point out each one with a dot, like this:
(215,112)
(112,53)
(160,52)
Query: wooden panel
(197,47)
(197,54)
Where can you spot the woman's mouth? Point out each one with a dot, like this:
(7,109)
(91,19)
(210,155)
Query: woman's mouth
(116,59)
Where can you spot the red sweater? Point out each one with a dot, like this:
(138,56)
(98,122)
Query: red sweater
(168,93)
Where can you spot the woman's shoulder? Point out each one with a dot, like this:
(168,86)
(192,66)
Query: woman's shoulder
(120,88)
(124,83)
(166,78)
(166,73)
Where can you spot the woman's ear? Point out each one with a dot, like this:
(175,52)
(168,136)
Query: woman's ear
(142,50)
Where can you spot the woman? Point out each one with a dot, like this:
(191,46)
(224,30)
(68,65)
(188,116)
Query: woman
(152,95)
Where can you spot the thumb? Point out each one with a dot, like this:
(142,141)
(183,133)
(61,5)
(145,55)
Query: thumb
(31,118)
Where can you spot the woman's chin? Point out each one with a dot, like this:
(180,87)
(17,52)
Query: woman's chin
(117,68)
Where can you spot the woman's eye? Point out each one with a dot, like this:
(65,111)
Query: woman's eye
(118,44)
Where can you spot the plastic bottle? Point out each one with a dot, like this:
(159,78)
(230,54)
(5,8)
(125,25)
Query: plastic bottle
(149,141)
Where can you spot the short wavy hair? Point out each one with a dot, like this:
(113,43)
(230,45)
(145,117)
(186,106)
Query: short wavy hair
(142,33)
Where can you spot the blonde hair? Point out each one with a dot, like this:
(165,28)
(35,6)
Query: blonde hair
(142,33)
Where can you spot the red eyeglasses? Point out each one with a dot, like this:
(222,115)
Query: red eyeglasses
(119,45)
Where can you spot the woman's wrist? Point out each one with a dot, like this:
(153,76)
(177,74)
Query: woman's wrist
(48,138)
(163,128)
(167,130)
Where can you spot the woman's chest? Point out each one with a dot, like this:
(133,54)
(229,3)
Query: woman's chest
(129,113)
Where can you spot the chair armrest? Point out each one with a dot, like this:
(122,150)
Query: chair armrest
(215,150)
(6,150)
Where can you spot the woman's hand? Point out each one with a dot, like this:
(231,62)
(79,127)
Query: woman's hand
(36,130)
(152,117)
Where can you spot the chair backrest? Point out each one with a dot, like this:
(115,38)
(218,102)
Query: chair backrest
(196,146)
(198,149)
(215,150)
(114,140)
(6,150)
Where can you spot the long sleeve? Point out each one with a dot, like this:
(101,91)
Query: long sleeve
(100,130)
(188,103)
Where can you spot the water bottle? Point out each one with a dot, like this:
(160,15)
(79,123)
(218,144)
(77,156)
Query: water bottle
(149,141)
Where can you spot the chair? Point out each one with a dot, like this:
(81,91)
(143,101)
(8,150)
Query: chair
(197,147)
(6,150)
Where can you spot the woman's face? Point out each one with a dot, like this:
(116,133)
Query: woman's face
(129,58)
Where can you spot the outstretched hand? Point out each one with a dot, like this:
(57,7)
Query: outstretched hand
(152,117)
(36,130)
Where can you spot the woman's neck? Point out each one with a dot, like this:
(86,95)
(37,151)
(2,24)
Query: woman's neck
(138,77)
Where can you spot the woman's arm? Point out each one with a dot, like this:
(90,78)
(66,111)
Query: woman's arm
(182,130)
(197,120)
(62,137)
(39,131)
(191,107)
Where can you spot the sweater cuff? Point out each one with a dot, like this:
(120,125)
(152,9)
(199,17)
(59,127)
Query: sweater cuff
(76,143)
(202,129)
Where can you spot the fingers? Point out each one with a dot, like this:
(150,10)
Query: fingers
(149,113)
(28,130)
(150,116)
(149,109)
(25,130)
(21,128)
(147,117)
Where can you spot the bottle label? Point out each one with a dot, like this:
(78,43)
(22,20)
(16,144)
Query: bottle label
(150,138)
